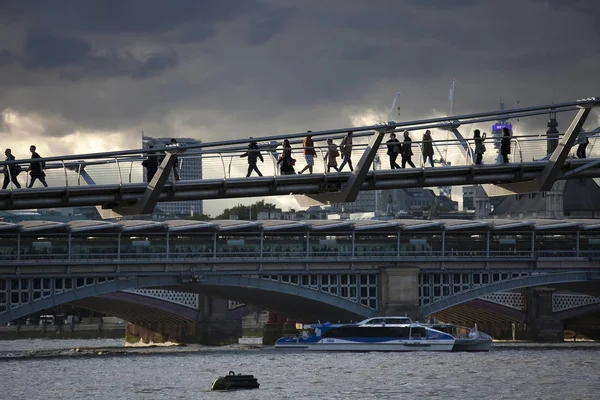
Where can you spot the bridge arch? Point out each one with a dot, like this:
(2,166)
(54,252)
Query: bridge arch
(296,301)
(285,298)
(511,284)
(81,293)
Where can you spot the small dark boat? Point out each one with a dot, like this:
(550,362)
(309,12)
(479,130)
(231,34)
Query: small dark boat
(235,382)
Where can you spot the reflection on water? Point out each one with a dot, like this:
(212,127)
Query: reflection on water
(509,371)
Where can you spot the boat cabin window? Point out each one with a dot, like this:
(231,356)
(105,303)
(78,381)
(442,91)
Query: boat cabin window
(418,332)
(374,332)
(388,321)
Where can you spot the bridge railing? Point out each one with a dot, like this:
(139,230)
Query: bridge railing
(220,159)
(301,255)
(225,164)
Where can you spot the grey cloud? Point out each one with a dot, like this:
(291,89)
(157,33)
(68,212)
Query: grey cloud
(156,64)
(75,59)
(248,68)
(266,24)
(45,50)
(121,16)
(6,57)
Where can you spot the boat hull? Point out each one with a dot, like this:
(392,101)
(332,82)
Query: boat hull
(392,346)
(472,345)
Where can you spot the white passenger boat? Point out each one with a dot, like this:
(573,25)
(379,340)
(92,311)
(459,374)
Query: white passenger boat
(373,334)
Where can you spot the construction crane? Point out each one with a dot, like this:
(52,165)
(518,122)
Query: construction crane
(443,158)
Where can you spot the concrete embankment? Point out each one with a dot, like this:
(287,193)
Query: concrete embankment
(77,331)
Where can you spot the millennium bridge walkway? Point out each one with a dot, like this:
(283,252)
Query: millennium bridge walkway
(317,269)
(114,181)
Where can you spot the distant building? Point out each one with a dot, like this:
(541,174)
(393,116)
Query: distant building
(190,168)
(572,198)
(468,197)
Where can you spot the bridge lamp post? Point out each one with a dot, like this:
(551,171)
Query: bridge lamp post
(167,239)
(119,245)
(69,245)
(353,241)
(443,242)
(18,246)
(487,244)
(215,245)
(532,243)
(398,244)
(307,243)
(577,243)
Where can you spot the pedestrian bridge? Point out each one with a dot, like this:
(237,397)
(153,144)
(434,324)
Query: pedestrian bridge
(311,269)
(114,181)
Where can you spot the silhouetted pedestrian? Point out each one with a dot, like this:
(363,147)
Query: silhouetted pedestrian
(346,150)
(36,169)
(253,155)
(309,153)
(11,171)
(286,162)
(479,146)
(505,144)
(582,142)
(151,164)
(331,155)
(393,149)
(173,143)
(407,151)
(427,148)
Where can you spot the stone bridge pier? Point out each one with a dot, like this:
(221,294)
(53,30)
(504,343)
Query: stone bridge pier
(543,325)
(400,292)
(213,324)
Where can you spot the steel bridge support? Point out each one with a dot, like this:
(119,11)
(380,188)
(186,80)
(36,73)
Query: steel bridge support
(551,172)
(352,187)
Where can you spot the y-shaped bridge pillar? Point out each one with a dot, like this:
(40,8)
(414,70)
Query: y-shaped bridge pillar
(350,191)
(552,170)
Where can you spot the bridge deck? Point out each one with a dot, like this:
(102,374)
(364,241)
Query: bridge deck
(130,193)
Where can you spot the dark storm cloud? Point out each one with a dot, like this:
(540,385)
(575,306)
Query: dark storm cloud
(6,57)
(114,17)
(75,59)
(44,50)
(156,64)
(235,69)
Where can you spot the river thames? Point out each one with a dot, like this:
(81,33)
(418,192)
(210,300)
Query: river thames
(105,369)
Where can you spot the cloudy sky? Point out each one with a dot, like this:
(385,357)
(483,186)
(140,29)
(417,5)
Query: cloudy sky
(90,75)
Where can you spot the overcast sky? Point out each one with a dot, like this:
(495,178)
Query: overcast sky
(90,75)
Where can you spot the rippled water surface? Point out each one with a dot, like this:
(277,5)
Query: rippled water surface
(507,372)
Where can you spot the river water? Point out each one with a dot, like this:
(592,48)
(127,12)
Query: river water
(73,369)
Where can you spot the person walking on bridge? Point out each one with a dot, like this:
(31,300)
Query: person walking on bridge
(427,148)
(407,151)
(151,164)
(36,169)
(505,144)
(11,171)
(331,156)
(582,142)
(393,149)
(346,150)
(286,161)
(309,153)
(173,143)
(253,155)
(479,146)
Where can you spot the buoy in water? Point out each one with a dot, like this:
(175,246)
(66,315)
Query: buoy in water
(234,382)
